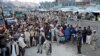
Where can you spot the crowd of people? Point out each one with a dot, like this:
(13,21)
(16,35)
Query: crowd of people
(40,32)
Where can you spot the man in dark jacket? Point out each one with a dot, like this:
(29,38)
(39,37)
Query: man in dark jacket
(89,33)
(84,33)
(79,42)
(3,43)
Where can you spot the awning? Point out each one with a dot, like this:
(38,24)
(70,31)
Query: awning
(65,9)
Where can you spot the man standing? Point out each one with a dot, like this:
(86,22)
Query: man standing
(79,42)
(57,34)
(27,37)
(14,47)
(41,40)
(93,40)
(3,44)
(89,33)
(22,45)
(31,36)
(47,47)
(52,32)
(84,33)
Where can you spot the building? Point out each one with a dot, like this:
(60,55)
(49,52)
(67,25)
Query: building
(95,2)
(73,2)
(61,1)
(66,2)
(47,5)
(83,2)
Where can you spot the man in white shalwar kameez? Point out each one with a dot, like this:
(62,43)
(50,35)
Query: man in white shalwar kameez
(14,48)
(46,46)
(13,51)
(94,40)
(57,34)
(22,45)
(89,33)
(52,32)
(27,38)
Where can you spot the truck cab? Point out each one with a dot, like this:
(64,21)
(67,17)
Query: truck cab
(2,21)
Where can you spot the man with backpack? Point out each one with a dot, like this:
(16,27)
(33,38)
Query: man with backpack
(3,44)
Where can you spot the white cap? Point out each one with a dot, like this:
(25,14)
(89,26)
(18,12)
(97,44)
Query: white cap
(52,25)
(94,30)
(41,29)
(22,34)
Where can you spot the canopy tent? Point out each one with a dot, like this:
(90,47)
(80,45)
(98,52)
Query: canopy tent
(75,9)
(65,9)
(81,10)
(78,9)
(88,9)
(93,9)
(42,10)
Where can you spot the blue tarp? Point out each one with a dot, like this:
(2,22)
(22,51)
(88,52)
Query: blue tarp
(1,17)
(2,23)
(10,21)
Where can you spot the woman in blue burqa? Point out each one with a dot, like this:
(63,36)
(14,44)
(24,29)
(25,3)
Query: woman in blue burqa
(67,33)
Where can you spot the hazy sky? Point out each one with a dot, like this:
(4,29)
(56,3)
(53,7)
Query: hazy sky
(36,1)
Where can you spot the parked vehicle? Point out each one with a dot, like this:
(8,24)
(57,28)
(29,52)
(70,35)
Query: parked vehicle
(6,14)
(19,15)
(2,25)
(11,21)
(1,17)
(2,22)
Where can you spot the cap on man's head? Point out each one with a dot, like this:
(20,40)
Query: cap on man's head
(41,29)
(94,31)
(22,35)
